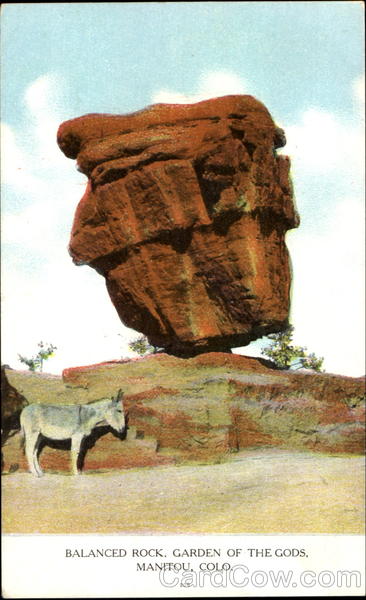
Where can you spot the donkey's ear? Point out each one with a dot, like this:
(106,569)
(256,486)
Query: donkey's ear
(119,396)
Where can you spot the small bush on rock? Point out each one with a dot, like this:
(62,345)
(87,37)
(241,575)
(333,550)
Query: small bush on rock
(286,355)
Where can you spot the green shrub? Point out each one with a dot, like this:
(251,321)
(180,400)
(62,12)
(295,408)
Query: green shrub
(286,355)
(36,362)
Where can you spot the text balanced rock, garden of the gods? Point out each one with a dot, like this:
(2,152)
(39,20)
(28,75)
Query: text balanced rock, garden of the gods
(185,215)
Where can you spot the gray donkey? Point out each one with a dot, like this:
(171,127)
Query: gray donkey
(66,422)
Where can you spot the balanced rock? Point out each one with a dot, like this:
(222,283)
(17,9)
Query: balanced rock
(185,215)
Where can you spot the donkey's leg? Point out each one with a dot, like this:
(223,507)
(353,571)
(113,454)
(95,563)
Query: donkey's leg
(31,448)
(76,442)
(36,455)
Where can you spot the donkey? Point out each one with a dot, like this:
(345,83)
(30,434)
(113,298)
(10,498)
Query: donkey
(66,422)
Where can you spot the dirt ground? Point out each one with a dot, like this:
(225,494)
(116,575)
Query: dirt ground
(258,491)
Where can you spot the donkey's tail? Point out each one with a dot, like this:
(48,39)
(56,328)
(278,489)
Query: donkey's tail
(22,438)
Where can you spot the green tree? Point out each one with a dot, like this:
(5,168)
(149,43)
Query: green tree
(36,362)
(286,355)
(142,346)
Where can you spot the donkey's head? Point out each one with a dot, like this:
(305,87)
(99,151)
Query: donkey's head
(115,414)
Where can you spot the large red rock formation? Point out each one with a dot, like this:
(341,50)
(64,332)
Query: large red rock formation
(185,215)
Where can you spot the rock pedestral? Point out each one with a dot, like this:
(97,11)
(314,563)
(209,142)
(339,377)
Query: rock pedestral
(185,215)
(203,409)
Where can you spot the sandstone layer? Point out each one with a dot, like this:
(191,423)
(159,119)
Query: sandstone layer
(202,409)
(185,215)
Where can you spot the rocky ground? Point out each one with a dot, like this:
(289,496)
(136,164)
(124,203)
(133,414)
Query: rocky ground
(260,491)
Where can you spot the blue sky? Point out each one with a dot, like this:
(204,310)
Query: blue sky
(304,60)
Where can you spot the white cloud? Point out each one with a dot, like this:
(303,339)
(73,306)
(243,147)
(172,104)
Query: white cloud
(30,154)
(43,95)
(45,296)
(45,100)
(211,85)
(328,289)
(42,189)
(12,157)
(34,227)
(15,169)
(63,305)
(322,143)
(358,90)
